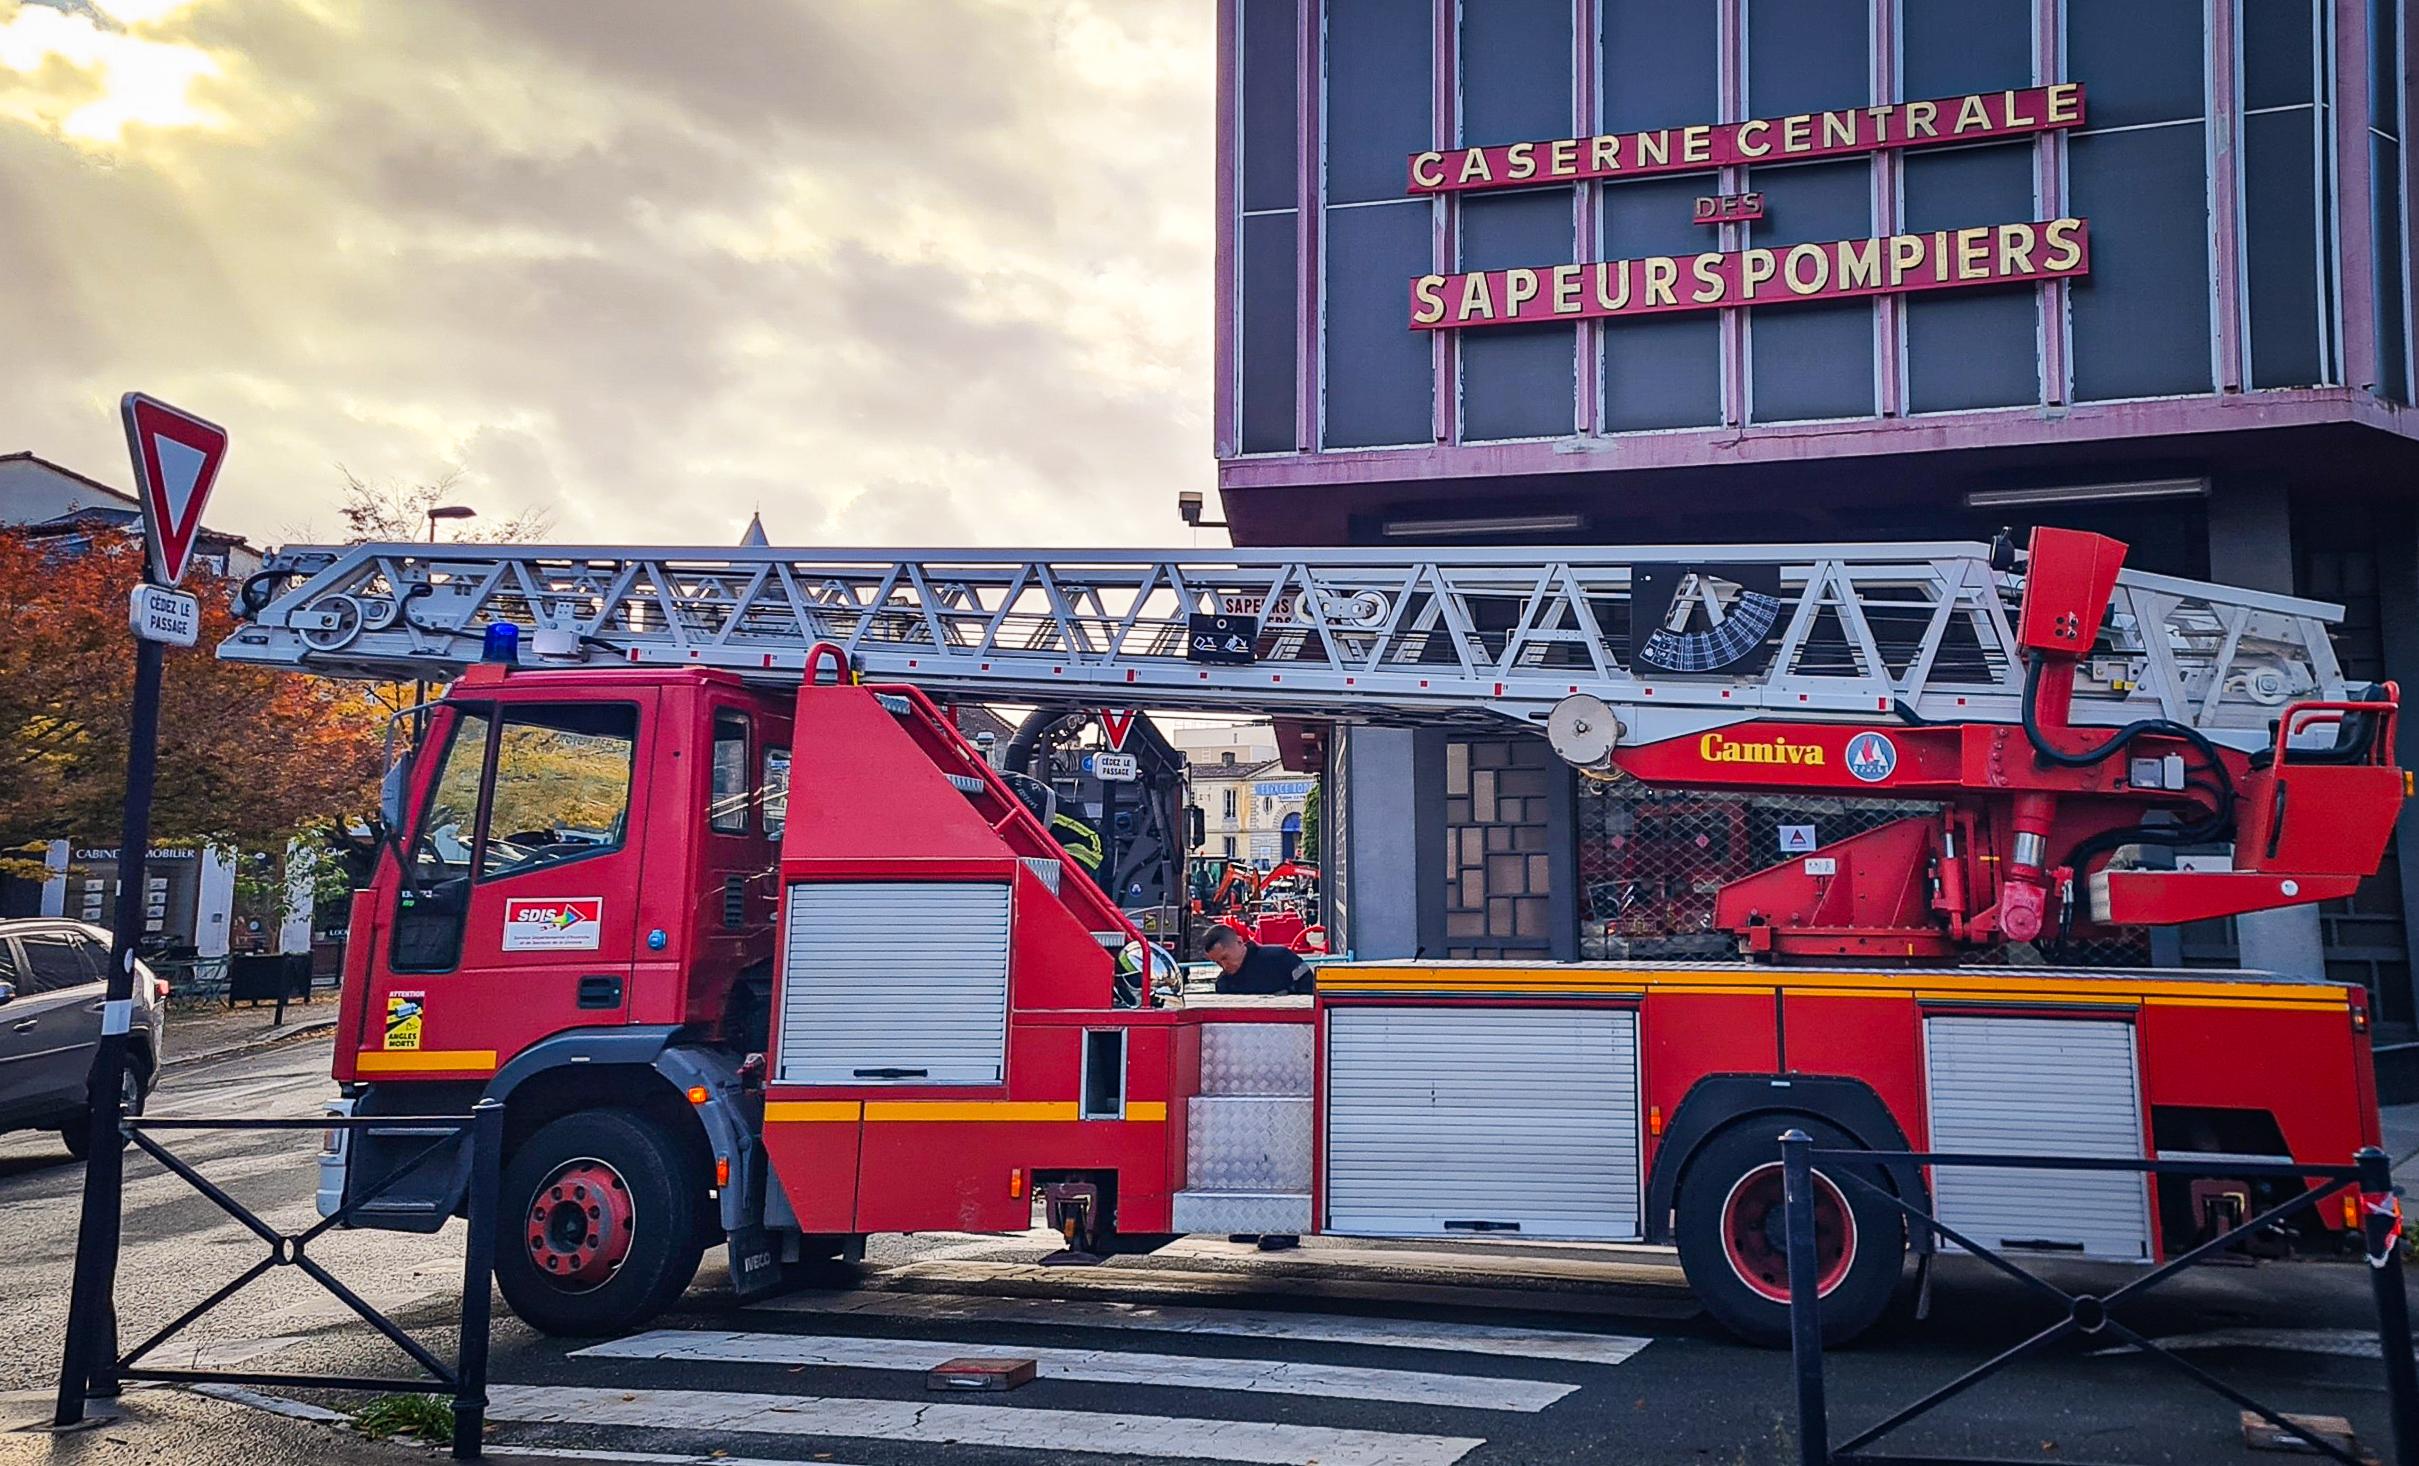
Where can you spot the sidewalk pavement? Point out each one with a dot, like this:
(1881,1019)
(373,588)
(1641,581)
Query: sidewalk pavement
(2400,1126)
(209,1029)
(174,1425)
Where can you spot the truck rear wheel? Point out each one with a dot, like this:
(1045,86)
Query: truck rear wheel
(1734,1244)
(600,1224)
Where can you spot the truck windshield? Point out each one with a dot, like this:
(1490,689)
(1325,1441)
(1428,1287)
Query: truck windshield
(562,785)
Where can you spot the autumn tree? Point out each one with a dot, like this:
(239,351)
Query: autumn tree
(391,510)
(248,756)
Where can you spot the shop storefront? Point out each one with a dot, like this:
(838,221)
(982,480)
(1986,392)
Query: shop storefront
(1723,271)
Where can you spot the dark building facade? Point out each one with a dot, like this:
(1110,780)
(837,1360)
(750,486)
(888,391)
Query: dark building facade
(1725,271)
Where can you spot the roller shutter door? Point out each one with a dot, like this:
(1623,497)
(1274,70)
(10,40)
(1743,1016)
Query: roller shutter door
(1482,1122)
(2039,1086)
(895,982)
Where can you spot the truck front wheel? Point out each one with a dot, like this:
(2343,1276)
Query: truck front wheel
(1734,1244)
(599,1224)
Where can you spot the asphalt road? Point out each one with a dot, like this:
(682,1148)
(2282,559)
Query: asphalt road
(1339,1354)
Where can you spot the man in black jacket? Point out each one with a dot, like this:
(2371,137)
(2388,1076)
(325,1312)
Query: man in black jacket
(1247,967)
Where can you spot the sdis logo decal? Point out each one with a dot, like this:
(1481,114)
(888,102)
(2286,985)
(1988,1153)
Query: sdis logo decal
(554,924)
(1872,757)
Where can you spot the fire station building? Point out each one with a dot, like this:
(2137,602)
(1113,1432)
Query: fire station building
(1745,271)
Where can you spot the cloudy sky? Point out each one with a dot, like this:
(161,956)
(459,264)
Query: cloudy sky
(895,271)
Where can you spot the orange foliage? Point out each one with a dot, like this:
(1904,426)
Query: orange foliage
(247,756)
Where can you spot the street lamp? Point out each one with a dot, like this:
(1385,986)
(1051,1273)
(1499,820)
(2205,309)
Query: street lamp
(435,513)
(447,511)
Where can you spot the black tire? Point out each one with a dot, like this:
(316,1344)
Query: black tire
(1733,1181)
(641,1266)
(77,1133)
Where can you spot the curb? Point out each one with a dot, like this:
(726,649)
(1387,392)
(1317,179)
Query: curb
(310,1028)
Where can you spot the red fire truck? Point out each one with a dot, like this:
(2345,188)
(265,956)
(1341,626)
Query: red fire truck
(691,873)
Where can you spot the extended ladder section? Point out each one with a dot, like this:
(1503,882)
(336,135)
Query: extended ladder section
(1679,638)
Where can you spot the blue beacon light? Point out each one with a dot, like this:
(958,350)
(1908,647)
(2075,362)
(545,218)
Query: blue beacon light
(502,644)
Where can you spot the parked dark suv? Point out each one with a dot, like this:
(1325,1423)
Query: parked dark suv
(53,975)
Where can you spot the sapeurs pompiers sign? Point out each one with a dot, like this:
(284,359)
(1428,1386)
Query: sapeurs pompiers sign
(1985,254)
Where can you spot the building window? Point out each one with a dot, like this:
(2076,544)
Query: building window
(2287,245)
(1658,65)
(1517,381)
(1267,291)
(2388,116)
(1810,361)
(1229,805)
(1379,384)
(1970,348)
(1659,371)
(2140,320)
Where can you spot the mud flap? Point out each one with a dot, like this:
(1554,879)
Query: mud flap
(755,1266)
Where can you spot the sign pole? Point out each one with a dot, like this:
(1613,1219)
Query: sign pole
(176,461)
(90,1366)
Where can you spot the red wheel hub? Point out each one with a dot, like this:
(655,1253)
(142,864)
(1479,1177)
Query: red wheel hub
(580,1224)
(1755,1233)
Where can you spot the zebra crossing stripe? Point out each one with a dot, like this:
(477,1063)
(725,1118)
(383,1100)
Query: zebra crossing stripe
(1057,1432)
(1100,1366)
(635,1458)
(1318,1328)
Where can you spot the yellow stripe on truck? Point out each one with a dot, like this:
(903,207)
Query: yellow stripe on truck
(814,1111)
(1932,986)
(947,1111)
(425,1061)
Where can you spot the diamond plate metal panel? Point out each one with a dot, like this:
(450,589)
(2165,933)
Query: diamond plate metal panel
(1247,1143)
(1241,1211)
(1256,1059)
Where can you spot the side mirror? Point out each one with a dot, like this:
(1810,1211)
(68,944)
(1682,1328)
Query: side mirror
(390,797)
(1196,827)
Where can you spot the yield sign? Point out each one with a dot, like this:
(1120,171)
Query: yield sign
(176,459)
(1117,723)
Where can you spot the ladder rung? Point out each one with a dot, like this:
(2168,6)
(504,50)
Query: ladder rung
(892,703)
(966,783)
(1046,868)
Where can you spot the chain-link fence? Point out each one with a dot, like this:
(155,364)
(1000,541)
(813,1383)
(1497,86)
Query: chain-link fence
(1651,861)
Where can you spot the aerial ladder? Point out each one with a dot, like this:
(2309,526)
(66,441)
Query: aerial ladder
(892,1007)
(2060,713)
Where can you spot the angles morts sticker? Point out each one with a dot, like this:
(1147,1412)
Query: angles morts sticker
(403,1014)
(554,924)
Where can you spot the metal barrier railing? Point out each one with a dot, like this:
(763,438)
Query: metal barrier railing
(2088,1313)
(465,1378)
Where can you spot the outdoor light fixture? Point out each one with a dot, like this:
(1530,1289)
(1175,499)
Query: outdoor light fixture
(2155,488)
(1417,529)
(1190,506)
(447,511)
